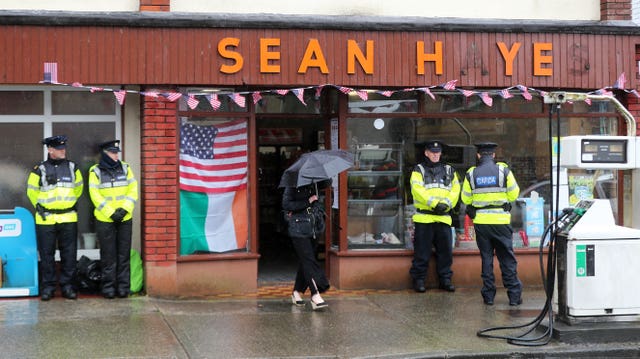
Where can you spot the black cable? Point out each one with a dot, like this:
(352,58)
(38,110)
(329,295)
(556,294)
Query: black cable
(548,280)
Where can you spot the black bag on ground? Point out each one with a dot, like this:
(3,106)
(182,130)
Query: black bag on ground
(89,275)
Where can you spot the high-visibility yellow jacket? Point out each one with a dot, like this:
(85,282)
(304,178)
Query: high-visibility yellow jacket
(433,185)
(489,187)
(111,189)
(55,185)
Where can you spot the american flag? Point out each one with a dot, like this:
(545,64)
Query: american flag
(300,95)
(96,89)
(152,94)
(486,99)
(604,92)
(192,102)
(238,99)
(282,92)
(525,92)
(318,91)
(364,95)
(120,95)
(215,102)
(344,90)
(466,93)
(587,101)
(213,159)
(256,96)
(620,82)
(428,92)
(51,72)
(450,85)
(76,84)
(505,93)
(386,93)
(635,93)
(172,96)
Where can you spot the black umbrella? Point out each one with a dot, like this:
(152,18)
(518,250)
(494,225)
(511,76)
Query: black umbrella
(316,166)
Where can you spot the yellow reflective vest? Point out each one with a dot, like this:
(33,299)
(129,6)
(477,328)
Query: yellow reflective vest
(112,189)
(56,186)
(488,187)
(433,185)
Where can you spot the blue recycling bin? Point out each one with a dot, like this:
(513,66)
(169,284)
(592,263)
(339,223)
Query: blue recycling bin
(19,253)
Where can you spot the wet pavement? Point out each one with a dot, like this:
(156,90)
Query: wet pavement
(396,324)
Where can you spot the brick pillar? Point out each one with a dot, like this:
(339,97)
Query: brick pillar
(160,195)
(155,5)
(615,10)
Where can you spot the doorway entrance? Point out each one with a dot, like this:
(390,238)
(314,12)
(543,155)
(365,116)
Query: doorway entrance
(281,141)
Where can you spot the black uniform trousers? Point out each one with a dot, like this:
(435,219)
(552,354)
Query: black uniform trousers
(309,274)
(427,236)
(115,254)
(498,238)
(64,236)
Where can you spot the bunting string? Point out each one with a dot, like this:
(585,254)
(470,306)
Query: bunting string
(240,97)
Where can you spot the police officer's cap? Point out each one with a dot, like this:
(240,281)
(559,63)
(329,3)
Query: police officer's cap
(58,142)
(486,147)
(111,146)
(434,146)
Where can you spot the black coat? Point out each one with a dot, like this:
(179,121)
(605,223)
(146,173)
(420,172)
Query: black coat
(297,199)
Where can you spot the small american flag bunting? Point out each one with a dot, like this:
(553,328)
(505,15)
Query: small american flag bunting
(620,82)
(486,99)
(344,90)
(505,93)
(238,99)
(450,85)
(525,92)
(192,102)
(282,92)
(173,96)
(587,101)
(120,95)
(466,93)
(364,95)
(256,96)
(300,95)
(50,72)
(215,102)
(386,93)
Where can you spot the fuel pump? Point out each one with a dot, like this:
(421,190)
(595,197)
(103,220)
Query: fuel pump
(592,263)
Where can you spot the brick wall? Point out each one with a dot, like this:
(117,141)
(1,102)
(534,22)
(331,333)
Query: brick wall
(155,5)
(615,10)
(159,180)
(633,103)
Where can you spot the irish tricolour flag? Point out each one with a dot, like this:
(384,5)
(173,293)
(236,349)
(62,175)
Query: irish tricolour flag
(213,187)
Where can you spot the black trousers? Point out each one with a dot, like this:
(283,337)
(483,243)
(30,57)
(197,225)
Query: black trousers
(115,254)
(309,274)
(498,238)
(427,236)
(64,236)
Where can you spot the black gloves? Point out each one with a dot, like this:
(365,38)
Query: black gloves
(441,208)
(118,215)
(41,211)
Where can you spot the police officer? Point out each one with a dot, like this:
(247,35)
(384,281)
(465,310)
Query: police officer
(53,188)
(114,191)
(488,190)
(435,188)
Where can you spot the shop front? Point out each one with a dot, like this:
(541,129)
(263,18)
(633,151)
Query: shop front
(219,110)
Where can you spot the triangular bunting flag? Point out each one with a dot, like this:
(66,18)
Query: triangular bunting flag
(300,95)
(238,99)
(505,93)
(256,96)
(486,99)
(192,102)
(466,93)
(215,103)
(450,85)
(50,72)
(344,90)
(120,95)
(620,82)
(386,93)
(364,95)
(282,92)
(525,92)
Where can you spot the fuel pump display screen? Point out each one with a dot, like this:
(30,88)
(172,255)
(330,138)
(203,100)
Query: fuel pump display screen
(604,151)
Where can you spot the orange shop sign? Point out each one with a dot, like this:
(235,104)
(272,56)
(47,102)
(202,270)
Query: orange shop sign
(270,52)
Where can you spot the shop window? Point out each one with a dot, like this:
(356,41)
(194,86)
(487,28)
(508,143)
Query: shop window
(22,146)
(398,102)
(82,103)
(21,103)
(458,103)
(214,214)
